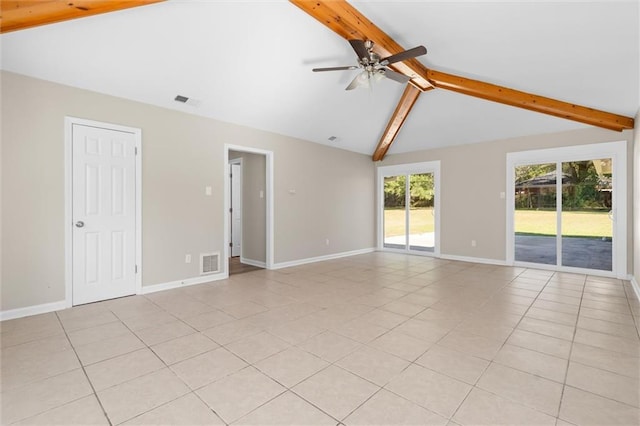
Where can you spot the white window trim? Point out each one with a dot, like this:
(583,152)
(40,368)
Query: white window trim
(617,151)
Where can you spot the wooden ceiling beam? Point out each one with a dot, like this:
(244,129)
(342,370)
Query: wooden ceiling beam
(349,23)
(408,99)
(529,101)
(21,14)
(346,21)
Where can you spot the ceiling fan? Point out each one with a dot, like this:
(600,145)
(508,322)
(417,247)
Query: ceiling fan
(346,21)
(373,66)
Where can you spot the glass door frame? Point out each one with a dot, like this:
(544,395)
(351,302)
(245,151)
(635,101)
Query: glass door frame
(617,151)
(408,169)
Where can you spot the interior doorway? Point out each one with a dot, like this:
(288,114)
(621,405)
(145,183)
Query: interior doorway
(248,226)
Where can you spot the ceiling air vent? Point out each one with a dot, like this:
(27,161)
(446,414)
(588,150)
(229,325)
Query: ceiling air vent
(209,263)
(188,101)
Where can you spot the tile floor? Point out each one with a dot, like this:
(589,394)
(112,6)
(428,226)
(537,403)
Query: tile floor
(374,339)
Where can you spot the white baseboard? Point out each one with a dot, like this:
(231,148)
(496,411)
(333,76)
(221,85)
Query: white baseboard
(32,310)
(57,306)
(299,262)
(636,287)
(474,259)
(183,283)
(252,262)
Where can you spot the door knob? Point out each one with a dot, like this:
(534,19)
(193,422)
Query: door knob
(79,224)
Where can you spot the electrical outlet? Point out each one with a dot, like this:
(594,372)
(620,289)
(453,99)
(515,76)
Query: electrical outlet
(187,258)
(326,242)
(473,243)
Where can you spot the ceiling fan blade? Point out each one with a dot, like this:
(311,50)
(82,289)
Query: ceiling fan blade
(360,48)
(402,56)
(350,67)
(360,80)
(395,76)
(349,23)
(346,21)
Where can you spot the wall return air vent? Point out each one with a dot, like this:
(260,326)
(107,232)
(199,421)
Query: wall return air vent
(209,263)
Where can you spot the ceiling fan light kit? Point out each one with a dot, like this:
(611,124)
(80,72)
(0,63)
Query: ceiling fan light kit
(373,67)
(371,44)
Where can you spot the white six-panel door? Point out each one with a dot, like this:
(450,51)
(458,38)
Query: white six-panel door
(103,213)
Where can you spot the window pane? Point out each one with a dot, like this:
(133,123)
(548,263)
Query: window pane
(587,228)
(421,213)
(395,221)
(535,219)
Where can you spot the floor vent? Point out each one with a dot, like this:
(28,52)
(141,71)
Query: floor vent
(209,263)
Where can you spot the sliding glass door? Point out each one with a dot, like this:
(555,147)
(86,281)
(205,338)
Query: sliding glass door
(570,212)
(407,217)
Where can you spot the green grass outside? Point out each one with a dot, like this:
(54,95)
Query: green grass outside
(574,224)
(532,222)
(421,220)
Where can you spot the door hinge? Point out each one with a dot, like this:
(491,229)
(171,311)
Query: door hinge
(136,269)
(230,244)
(136,150)
(231,210)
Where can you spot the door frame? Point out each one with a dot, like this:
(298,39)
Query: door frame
(617,151)
(236,161)
(403,169)
(269,200)
(69,122)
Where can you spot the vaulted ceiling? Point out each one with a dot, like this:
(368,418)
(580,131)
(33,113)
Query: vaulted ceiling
(250,63)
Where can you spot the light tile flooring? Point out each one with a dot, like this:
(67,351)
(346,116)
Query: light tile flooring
(374,339)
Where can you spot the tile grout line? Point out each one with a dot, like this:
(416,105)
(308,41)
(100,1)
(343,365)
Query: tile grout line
(147,374)
(249,365)
(575,331)
(361,345)
(633,314)
(84,371)
(502,346)
(490,361)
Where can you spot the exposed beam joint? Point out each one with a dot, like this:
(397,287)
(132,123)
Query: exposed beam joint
(408,99)
(346,21)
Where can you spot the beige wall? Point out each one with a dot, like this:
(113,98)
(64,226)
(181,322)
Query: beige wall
(181,154)
(254,208)
(472,178)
